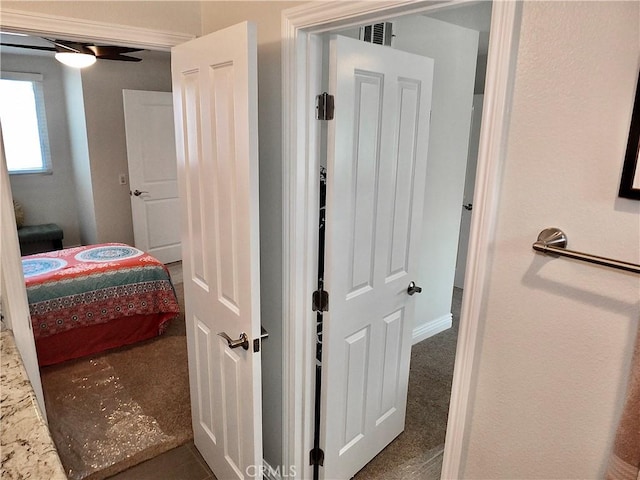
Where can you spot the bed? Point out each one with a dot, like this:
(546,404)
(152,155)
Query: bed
(85,300)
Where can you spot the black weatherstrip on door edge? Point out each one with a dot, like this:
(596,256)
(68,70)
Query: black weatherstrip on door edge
(317,455)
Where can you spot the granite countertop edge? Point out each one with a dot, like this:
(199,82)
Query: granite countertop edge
(26,446)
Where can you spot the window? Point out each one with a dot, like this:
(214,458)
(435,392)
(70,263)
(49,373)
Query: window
(24,126)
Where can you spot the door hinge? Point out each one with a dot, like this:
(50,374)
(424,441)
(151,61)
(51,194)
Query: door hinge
(320,301)
(324,106)
(316,457)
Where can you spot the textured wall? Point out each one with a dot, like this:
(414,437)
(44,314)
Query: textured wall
(102,86)
(454,50)
(171,16)
(80,155)
(557,335)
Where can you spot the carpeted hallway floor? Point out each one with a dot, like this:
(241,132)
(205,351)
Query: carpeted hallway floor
(415,455)
(154,377)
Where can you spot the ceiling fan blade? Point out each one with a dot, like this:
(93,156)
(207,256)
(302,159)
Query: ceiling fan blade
(107,50)
(103,52)
(64,46)
(116,56)
(32,47)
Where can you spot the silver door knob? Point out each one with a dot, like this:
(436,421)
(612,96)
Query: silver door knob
(137,192)
(243,341)
(413,288)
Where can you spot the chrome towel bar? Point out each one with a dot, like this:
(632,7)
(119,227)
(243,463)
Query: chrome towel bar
(553,241)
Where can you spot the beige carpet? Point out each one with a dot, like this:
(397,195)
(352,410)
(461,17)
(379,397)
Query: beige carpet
(417,452)
(110,411)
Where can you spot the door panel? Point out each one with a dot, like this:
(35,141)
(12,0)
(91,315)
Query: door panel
(225,192)
(152,169)
(205,371)
(376,170)
(232,378)
(357,356)
(391,354)
(215,99)
(404,174)
(365,174)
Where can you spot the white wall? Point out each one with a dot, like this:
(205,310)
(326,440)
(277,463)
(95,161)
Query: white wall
(171,16)
(102,86)
(454,50)
(48,198)
(80,156)
(556,339)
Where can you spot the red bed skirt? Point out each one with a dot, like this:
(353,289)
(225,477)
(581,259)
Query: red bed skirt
(98,338)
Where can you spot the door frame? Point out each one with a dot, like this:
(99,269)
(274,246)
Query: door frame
(86,30)
(301,81)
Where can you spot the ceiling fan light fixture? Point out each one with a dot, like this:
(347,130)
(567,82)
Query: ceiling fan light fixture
(76,59)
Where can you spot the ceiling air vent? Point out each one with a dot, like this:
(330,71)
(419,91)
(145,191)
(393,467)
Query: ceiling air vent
(378,33)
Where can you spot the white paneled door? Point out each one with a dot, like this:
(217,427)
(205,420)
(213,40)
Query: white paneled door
(215,102)
(376,166)
(151,154)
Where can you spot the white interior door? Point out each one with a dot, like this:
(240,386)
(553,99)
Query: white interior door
(215,101)
(376,169)
(469,186)
(151,154)
(14,305)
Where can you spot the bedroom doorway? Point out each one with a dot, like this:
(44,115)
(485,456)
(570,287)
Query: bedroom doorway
(303,73)
(242,227)
(118,376)
(452,106)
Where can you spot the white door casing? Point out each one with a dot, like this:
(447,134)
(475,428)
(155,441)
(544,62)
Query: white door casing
(376,170)
(151,154)
(215,102)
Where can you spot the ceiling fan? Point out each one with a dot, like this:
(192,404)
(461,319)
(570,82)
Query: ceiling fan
(79,55)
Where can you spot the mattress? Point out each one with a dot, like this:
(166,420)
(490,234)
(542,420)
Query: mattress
(88,299)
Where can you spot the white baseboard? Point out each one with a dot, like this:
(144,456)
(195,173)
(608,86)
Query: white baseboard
(429,329)
(270,473)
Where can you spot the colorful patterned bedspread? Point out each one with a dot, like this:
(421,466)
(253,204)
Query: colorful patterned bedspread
(94,284)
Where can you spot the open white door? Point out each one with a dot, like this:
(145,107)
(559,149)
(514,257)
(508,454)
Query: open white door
(151,154)
(215,102)
(376,168)
(469,187)
(14,305)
